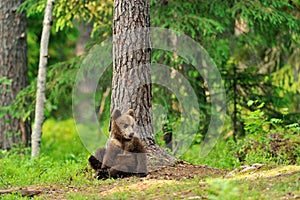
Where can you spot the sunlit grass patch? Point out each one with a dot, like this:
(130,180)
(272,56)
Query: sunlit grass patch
(61,141)
(222,155)
(62,158)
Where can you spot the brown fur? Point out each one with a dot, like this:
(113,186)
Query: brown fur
(125,153)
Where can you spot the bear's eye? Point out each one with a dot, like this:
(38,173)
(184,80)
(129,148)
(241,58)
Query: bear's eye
(125,126)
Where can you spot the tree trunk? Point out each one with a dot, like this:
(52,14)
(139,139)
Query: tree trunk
(41,82)
(85,30)
(131,84)
(13,65)
(235,112)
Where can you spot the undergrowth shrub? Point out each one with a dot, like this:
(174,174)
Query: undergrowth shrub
(222,155)
(269,140)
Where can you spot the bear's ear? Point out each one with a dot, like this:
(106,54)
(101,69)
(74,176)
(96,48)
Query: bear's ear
(131,113)
(116,114)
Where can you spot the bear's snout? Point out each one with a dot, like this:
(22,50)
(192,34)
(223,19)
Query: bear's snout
(131,134)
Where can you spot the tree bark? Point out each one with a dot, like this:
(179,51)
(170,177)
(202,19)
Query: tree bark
(131,84)
(85,30)
(28,192)
(13,65)
(41,82)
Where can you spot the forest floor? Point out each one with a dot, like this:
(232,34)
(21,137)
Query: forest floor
(186,181)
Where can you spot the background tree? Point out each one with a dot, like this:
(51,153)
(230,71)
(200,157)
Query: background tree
(41,84)
(85,30)
(13,62)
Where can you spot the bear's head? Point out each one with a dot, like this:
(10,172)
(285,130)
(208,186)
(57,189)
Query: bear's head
(123,124)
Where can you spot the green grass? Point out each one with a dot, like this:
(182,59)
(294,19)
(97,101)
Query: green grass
(219,189)
(61,141)
(62,167)
(221,156)
(216,189)
(62,158)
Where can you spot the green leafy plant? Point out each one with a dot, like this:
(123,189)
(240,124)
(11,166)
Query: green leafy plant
(269,140)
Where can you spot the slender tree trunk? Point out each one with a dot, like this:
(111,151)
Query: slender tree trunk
(235,128)
(241,27)
(13,65)
(41,83)
(131,85)
(85,30)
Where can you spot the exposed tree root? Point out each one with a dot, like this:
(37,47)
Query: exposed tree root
(29,192)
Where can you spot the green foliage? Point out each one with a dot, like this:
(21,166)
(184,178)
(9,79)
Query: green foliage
(245,61)
(62,159)
(223,155)
(60,80)
(62,44)
(62,64)
(100,13)
(209,23)
(269,140)
(33,7)
(269,12)
(256,120)
(286,78)
(68,13)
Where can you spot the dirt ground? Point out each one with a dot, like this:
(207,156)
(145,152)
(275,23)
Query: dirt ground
(165,175)
(182,170)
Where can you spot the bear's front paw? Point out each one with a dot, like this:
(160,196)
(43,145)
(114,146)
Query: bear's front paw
(102,174)
(94,163)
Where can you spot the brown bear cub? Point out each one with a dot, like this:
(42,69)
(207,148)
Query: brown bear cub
(124,154)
